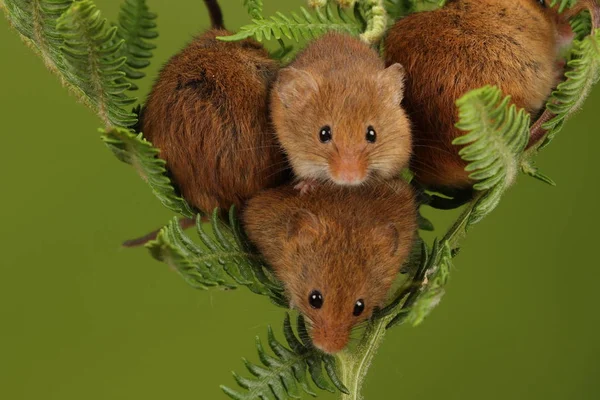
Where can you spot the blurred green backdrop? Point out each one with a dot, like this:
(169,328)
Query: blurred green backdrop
(82,318)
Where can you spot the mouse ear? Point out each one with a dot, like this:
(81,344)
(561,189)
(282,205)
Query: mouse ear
(303,226)
(391,80)
(390,236)
(294,85)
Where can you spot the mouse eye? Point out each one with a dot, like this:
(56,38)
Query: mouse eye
(371,135)
(359,307)
(542,3)
(315,299)
(325,134)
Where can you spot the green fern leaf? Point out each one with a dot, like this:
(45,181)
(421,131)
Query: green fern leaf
(581,25)
(498,133)
(280,376)
(424,293)
(583,71)
(529,168)
(88,66)
(296,27)
(36,20)
(90,55)
(408,293)
(136,26)
(223,259)
(254,8)
(563,4)
(133,149)
(436,277)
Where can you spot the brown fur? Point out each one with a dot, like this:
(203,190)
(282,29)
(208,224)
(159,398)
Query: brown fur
(348,243)
(463,46)
(341,82)
(208,115)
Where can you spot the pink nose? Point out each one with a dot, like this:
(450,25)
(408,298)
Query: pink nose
(350,176)
(350,171)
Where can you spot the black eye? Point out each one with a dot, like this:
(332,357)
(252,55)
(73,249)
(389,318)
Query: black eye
(359,307)
(325,134)
(371,135)
(315,299)
(542,3)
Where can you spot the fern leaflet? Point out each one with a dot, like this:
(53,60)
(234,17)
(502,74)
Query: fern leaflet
(583,72)
(133,149)
(254,8)
(280,376)
(224,259)
(305,26)
(136,26)
(36,22)
(90,55)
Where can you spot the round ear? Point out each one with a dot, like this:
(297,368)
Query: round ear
(391,81)
(303,226)
(389,235)
(293,85)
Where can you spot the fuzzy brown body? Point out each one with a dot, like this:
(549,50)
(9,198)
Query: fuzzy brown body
(463,46)
(346,243)
(208,115)
(341,83)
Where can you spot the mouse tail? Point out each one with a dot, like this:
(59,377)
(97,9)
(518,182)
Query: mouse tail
(215,13)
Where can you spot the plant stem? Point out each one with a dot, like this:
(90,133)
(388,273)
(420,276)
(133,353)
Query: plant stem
(354,365)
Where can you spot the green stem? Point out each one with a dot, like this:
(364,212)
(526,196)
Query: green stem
(354,365)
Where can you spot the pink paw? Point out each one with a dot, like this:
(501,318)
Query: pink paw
(305,186)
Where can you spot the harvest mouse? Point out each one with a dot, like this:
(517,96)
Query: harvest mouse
(463,46)
(337,113)
(337,250)
(208,115)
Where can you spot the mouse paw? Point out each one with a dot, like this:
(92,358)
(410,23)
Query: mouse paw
(306,186)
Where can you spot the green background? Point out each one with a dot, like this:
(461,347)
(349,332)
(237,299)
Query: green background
(82,318)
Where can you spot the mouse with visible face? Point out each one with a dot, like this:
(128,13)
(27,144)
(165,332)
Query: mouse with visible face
(465,45)
(208,113)
(336,111)
(336,249)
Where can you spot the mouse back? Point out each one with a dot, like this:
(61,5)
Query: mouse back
(463,46)
(208,113)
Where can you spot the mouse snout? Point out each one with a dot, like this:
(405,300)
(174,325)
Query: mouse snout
(348,169)
(330,340)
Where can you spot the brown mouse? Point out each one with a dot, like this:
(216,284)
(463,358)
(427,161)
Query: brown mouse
(208,114)
(337,249)
(336,111)
(463,46)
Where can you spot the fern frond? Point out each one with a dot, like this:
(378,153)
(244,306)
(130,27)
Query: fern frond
(35,20)
(407,294)
(583,71)
(224,259)
(498,133)
(91,57)
(254,8)
(436,277)
(563,4)
(133,149)
(305,26)
(281,376)
(136,26)
(376,20)
(581,24)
